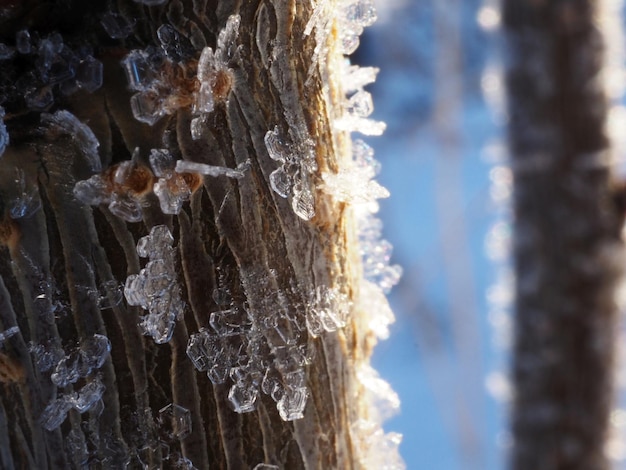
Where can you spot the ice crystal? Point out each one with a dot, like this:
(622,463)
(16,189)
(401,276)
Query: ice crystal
(80,363)
(294,175)
(162,79)
(214,73)
(121,186)
(327,310)
(353,185)
(88,396)
(116,25)
(243,398)
(23,42)
(27,202)
(125,207)
(175,421)
(83,136)
(291,405)
(376,253)
(84,400)
(4,134)
(340,24)
(156,287)
(46,357)
(184,166)
(152,2)
(171,188)
(354,78)
(6,334)
(55,67)
(55,413)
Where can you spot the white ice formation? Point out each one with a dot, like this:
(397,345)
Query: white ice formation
(79,364)
(353,183)
(156,288)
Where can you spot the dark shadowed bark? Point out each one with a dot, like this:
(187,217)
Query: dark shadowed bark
(567,251)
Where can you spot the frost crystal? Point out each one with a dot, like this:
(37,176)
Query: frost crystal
(116,25)
(80,363)
(294,175)
(27,202)
(89,357)
(340,23)
(57,67)
(55,413)
(67,123)
(156,287)
(6,334)
(243,398)
(175,421)
(4,135)
(184,166)
(88,396)
(22,42)
(291,405)
(171,188)
(121,186)
(214,72)
(327,311)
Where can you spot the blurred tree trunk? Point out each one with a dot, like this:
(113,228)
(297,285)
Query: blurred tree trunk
(567,250)
(235,235)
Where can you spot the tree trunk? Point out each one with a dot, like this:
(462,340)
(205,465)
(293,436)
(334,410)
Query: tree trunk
(568,253)
(239,248)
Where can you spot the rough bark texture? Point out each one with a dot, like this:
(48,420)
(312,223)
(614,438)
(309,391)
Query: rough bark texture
(236,234)
(567,250)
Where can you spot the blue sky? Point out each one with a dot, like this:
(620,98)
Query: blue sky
(440,351)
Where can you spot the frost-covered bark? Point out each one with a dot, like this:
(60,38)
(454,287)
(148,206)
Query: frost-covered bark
(188,151)
(567,252)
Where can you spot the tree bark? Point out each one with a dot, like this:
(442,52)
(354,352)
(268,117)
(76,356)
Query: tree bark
(567,251)
(234,235)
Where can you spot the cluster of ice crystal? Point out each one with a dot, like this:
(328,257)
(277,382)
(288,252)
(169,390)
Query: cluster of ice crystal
(376,252)
(263,349)
(121,187)
(156,287)
(294,177)
(65,122)
(327,310)
(27,201)
(82,362)
(171,188)
(354,183)
(46,356)
(6,334)
(167,79)
(142,69)
(54,66)
(4,134)
(336,27)
(82,401)
(214,75)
